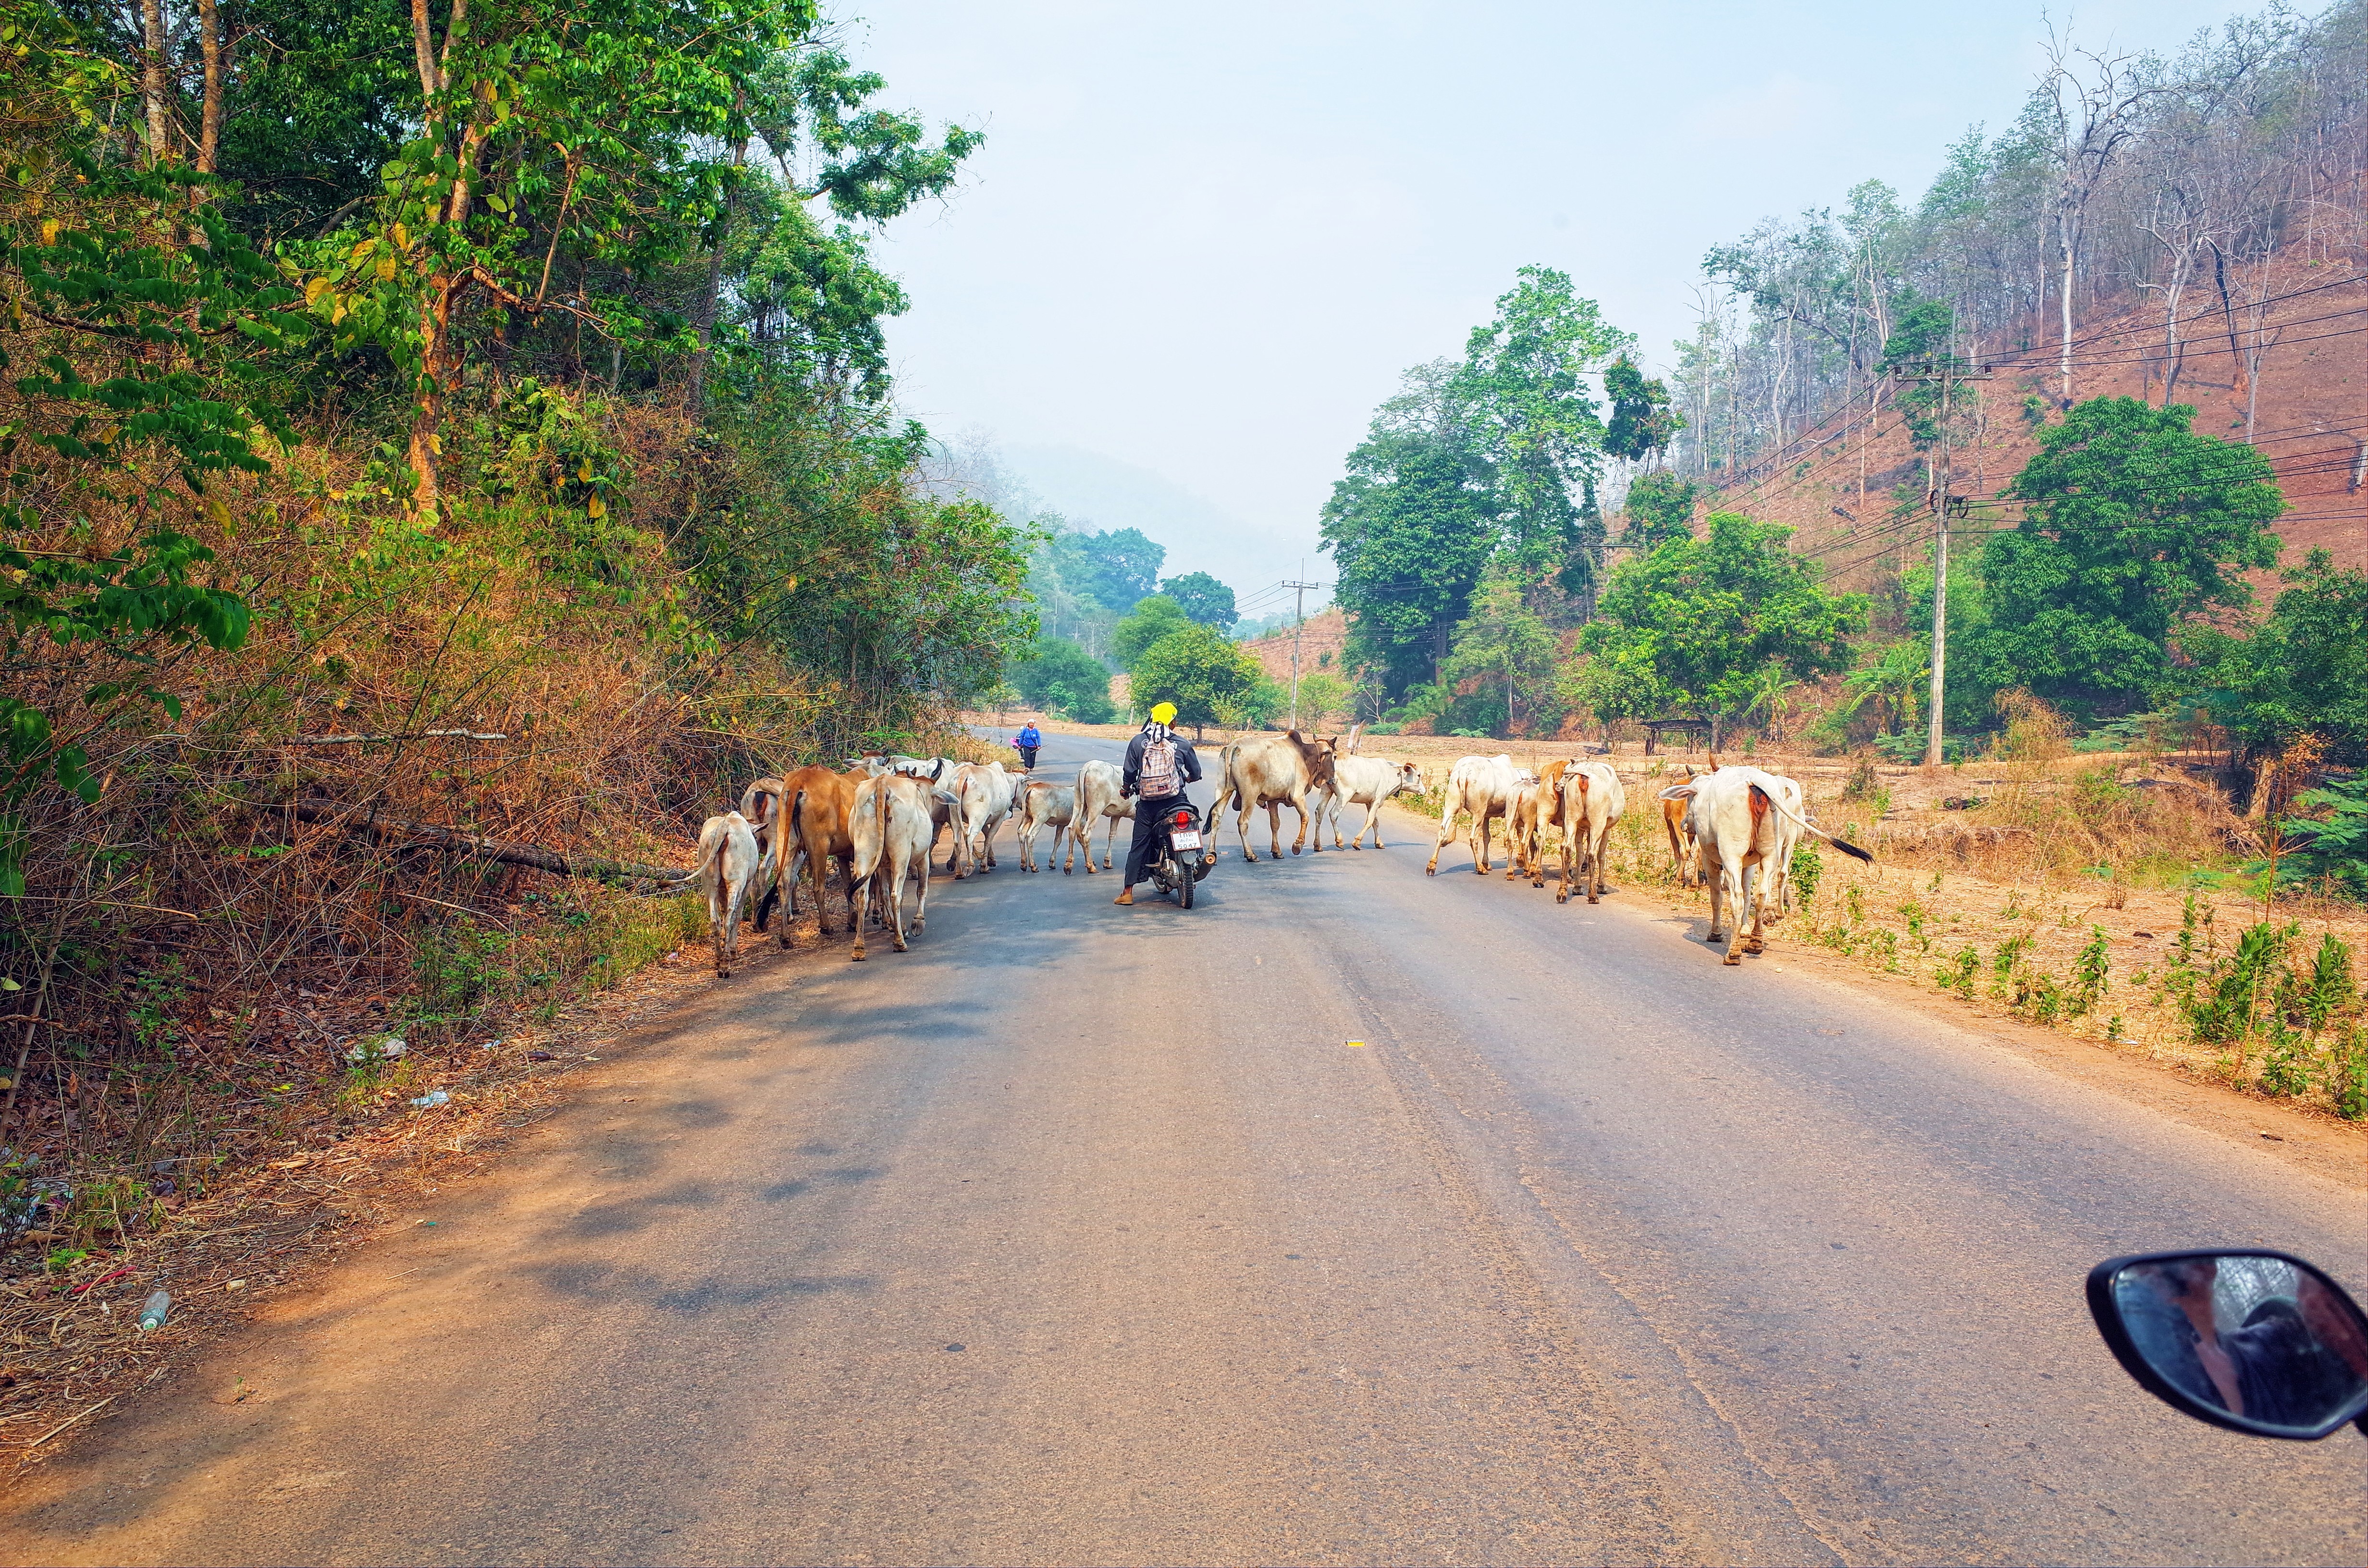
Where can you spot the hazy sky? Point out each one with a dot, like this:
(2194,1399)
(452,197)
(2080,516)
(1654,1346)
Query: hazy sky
(1202,242)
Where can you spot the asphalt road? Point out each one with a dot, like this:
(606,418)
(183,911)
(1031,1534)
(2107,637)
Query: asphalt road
(1351,1216)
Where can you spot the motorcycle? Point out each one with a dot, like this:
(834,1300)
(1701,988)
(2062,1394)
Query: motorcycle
(1179,867)
(2259,1341)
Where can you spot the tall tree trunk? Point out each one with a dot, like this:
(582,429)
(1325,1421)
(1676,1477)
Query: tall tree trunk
(152,85)
(216,52)
(695,400)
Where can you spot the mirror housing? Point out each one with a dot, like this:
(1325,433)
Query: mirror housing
(2256,1341)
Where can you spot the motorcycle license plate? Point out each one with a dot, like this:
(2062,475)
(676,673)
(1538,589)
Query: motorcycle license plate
(1185,838)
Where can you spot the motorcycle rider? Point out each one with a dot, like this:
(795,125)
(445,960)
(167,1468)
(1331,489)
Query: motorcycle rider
(1158,765)
(1026,742)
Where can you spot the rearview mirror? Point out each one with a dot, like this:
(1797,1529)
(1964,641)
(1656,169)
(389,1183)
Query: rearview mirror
(2257,1342)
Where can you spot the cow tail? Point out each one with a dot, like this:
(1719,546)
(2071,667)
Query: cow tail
(1855,851)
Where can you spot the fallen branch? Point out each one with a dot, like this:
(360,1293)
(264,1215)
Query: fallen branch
(415,735)
(386,830)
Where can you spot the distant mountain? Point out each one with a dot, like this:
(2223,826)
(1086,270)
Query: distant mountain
(1096,492)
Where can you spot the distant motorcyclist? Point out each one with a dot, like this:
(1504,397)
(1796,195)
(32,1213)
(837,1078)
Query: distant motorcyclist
(1026,742)
(1158,766)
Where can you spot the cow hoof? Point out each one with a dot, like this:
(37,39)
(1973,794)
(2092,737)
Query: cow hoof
(1732,962)
(1593,899)
(856,957)
(901,947)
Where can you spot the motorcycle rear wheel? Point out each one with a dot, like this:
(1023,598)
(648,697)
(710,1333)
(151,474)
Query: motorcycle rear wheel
(1184,884)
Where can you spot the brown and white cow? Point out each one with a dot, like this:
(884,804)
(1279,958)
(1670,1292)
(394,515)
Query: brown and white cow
(1484,787)
(890,826)
(728,858)
(1592,801)
(1271,771)
(1746,823)
(1674,819)
(1098,801)
(1044,804)
(1364,781)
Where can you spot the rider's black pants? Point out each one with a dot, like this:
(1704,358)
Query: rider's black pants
(1150,822)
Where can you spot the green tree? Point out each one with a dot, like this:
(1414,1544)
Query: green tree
(1409,529)
(1922,344)
(1063,678)
(1152,620)
(1890,684)
(1203,599)
(1323,697)
(1522,408)
(1508,651)
(2132,524)
(2303,671)
(1710,615)
(1196,669)
(1660,507)
(1643,423)
(1620,679)
(1119,567)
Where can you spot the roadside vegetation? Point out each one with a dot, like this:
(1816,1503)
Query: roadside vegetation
(438,469)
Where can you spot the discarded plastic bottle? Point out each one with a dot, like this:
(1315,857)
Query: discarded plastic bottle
(432,1098)
(153,1315)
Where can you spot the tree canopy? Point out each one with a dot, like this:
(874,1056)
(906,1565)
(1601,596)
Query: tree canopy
(1151,618)
(1409,529)
(1203,599)
(1696,622)
(1210,679)
(1059,676)
(2133,523)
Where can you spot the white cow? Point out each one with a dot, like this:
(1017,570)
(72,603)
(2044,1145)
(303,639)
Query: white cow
(982,793)
(1746,823)
(890,828)
(1044,804)
(728,859)
(1483,785)
(1364,781)
(1592,801)
(1099,800)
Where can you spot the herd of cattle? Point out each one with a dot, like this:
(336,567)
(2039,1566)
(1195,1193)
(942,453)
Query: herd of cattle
(1733,830)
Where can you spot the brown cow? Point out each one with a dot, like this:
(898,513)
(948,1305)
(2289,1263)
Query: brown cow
(813,830)
(1270,771)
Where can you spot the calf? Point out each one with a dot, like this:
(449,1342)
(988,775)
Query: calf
(1593,800)
(1364,781)
(1043,805)
(890,825)
(1099,800)
(1484,787)
(727,863)
(1527,810)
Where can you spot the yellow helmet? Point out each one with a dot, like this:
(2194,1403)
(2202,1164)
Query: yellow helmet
(1163,713)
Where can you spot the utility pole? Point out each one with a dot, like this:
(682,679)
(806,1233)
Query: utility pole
(1298,615)
(1943,506)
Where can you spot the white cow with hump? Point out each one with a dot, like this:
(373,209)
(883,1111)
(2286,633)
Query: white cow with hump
(728,858)
(1746,823)
(1483,785)
(889,824)
(1592,802)
(1099,800)
(982,794)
